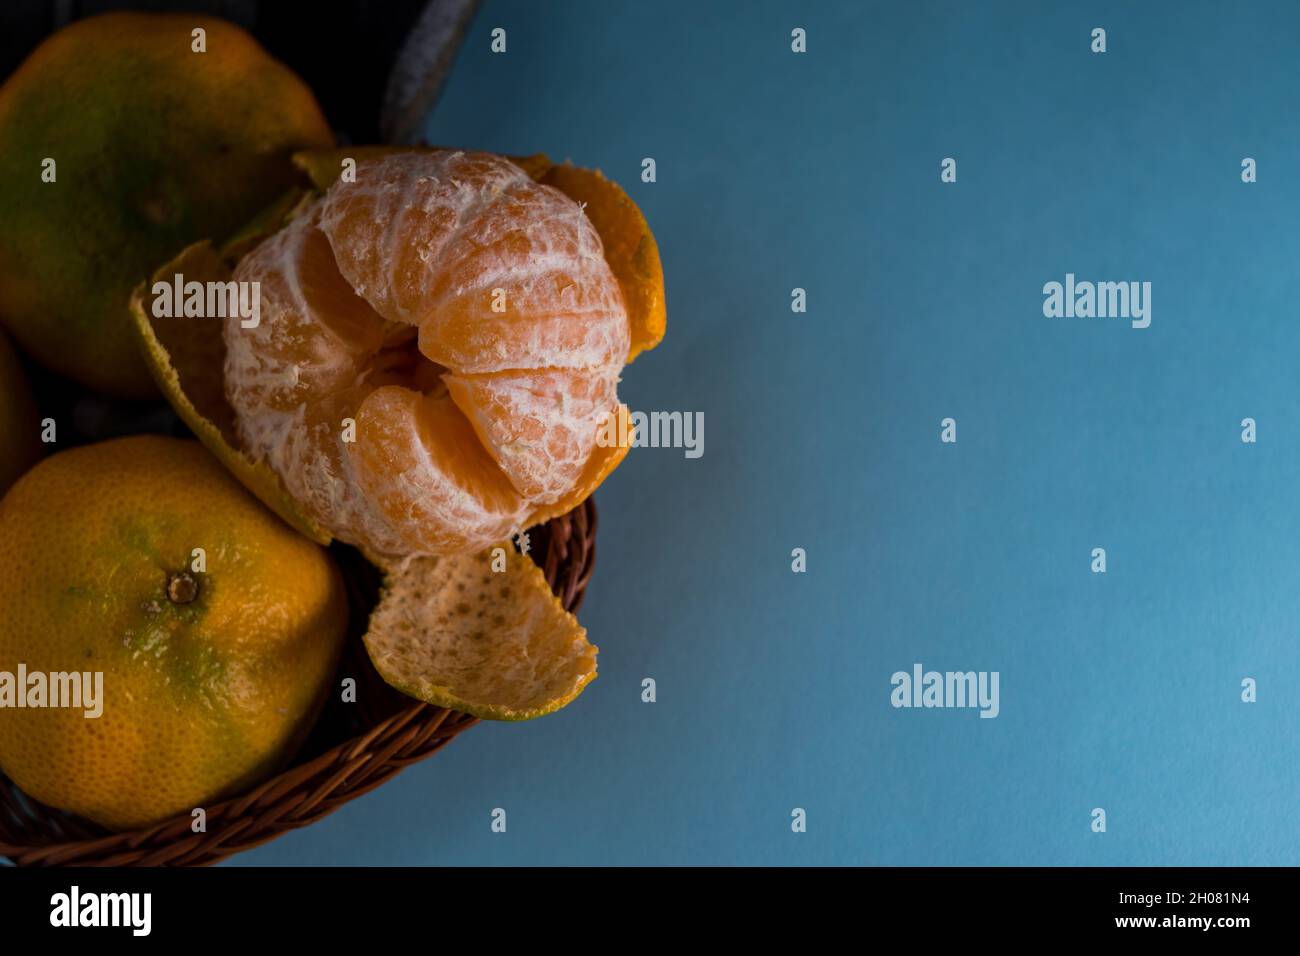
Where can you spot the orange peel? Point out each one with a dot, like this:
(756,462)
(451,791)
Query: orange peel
(181,354)
(454,632)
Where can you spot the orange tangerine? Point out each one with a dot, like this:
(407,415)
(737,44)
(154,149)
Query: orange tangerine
(146,146)
(212,670)
(439,346)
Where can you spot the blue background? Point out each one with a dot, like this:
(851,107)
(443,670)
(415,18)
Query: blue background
(821,171)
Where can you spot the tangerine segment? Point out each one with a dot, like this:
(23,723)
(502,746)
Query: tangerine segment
(604,459)
(457,633)
(528,287)
(313,458)
(390,228)
(419,462)
(314,335)
(497,271)
(540,425)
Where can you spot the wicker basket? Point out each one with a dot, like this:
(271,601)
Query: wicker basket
(353,748)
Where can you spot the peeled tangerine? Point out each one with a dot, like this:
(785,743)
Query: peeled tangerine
(439,346)
(436,349)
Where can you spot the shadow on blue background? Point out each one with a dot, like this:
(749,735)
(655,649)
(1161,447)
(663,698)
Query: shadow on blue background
(821,171)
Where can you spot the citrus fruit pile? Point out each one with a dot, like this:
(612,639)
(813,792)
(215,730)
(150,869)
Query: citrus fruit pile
(430,370)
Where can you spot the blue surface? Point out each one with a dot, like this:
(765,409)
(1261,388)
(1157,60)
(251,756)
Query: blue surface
(821,171)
